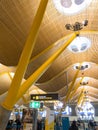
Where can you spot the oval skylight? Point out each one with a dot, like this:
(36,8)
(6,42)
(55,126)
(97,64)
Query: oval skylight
(81,66)
(71,7)
(79,44)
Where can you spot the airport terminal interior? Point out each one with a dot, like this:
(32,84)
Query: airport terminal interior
(48,64)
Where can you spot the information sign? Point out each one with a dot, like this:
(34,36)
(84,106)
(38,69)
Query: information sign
(43,97)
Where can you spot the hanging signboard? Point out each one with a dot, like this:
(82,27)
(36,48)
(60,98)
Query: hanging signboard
(44,97)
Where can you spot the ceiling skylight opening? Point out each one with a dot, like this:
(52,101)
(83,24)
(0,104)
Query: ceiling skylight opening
(71,7)
(83,66)
(79,44)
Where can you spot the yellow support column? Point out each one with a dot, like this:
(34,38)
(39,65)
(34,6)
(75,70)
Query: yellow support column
(80,97)
(74,91)
(36,75)
(71,87)
(25,57)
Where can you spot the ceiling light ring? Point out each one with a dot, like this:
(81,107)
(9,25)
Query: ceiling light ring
(71,7)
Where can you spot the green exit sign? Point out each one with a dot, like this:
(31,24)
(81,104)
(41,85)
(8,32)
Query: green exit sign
(34,104)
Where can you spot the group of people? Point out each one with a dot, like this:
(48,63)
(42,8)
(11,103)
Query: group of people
(76,125)
(41,124)
(14,125)
(92,125)
(73,126)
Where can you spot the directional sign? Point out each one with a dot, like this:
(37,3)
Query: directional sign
(43,97)
(34,104)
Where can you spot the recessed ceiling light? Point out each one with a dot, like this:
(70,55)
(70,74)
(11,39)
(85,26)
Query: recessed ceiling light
(71,7)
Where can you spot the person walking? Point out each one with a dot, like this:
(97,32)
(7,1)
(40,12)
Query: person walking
(73,126)
(18,124)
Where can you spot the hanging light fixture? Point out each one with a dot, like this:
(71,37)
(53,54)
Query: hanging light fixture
(85,111)
(76,26)
(58,107)
(67,110)
(80,43)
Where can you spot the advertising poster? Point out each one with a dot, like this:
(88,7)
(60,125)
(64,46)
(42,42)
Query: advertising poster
(27,116)
(49,125)
(27,119)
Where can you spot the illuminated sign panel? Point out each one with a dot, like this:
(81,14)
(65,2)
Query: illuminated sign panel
(34,104)
(43,97)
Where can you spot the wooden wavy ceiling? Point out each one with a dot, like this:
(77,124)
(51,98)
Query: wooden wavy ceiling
(16,17)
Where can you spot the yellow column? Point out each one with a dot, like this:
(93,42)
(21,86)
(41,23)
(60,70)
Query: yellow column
(74,91)
(48,48)
(24,99)
(71,87)
(80,97)
(36,75)
(25,57)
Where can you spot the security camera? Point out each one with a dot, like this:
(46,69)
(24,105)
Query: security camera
(85,22)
